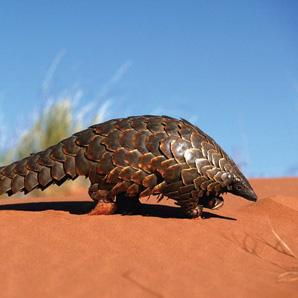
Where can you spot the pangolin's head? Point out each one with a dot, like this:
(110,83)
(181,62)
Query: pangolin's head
(213,155)
(242,188)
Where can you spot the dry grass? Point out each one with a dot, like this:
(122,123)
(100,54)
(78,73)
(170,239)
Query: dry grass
(283,247)
(281,244)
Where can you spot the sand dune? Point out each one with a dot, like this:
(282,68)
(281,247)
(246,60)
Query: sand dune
(243,250)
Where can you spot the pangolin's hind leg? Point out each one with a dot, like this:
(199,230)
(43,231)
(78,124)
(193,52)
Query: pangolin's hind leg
(128,204)
(106,204)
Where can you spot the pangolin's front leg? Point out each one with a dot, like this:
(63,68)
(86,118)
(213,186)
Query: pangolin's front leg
(190,207)
(192,210)
(213,203)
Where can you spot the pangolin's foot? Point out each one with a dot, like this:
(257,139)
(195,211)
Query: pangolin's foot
(215,203)
(105,203)
(104,208)
(193,212)
(212,202)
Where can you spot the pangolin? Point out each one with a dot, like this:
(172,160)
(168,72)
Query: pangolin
(134,157)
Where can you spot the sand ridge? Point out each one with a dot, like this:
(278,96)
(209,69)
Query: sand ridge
(244,249)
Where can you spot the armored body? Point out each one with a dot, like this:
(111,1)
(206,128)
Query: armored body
(134,157)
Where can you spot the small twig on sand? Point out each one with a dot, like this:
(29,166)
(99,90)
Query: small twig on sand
(280,242)
(288,276)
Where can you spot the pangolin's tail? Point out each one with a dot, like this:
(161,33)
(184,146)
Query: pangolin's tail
(61,162)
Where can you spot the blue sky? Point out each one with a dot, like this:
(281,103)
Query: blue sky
(231,67)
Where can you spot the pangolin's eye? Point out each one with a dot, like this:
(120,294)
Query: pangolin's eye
(238,187)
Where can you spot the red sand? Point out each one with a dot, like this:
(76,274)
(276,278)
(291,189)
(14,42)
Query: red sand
(54,253)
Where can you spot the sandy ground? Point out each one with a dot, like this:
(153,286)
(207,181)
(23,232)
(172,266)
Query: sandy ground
(245,249)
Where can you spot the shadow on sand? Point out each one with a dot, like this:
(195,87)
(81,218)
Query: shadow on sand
(84,207)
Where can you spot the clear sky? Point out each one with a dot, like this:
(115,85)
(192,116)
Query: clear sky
(231,67)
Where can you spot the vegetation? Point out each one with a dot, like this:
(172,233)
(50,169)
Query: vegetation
(54,124)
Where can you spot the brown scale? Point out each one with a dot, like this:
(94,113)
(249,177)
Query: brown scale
(191,155)
(113,176)
(138,123)
(21,168)
(31,181)
(123,124)
(173,172)
(126,139)
(96,149)
(171,127)
(145,162)
(118,157)
(57,171)
(106,164)
(111,141)
(155,125)
(126,173)
(153,142)
(156,163)
(84,138)
(104,129)
(70,166)
(17,184)
(133,157)
(178,148)
(82,164)
(70,146)
(57,153)
(9,171)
